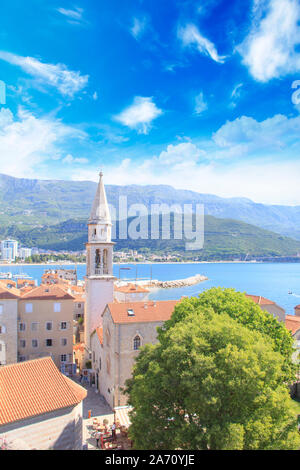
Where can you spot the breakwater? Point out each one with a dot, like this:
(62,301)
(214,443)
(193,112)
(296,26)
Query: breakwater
(190,281)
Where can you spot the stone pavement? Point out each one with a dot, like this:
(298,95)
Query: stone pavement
(99,408)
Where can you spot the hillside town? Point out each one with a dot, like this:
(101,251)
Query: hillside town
(67,347)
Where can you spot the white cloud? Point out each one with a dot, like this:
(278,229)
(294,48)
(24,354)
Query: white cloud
(200,104)
(138,28)
(74,16)
(27,141)
(70,159)
(95,96)
(66,81)
(254,180)
(181,154)
(191,36)
(236,94)
(269,51)
(140,114)
(274,133)
(245,158)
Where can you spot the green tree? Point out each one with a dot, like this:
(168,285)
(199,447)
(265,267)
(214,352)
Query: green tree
(211,383)
(245,311)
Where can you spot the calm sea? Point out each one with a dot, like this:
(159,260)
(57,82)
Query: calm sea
(273,280)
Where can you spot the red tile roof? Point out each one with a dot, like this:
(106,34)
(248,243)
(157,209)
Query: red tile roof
(8,282)
(143,311)
(79,298)
(297,307)
(292,323)
(7,294)
(131,289)
(33,388)
(79,347)
(25,283)
(99,332)
(260,300)
(48,292)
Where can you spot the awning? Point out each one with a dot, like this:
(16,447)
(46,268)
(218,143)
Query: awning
(122,415)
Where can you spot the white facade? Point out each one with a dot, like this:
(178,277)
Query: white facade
(99,276)
(24,253)
(9,250)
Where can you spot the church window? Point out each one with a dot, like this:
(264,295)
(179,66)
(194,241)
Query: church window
(98,259)
(136,343)
(105,265)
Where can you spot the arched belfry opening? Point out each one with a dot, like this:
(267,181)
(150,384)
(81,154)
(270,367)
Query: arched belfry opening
(98,261)
(105,261)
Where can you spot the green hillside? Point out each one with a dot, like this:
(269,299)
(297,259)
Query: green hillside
(224,239)
(30,203)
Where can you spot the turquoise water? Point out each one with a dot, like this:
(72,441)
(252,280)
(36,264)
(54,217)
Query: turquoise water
(271,280)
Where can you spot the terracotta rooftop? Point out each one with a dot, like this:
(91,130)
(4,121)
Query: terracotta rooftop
(99,332)
(26,282)
(79,289)
(260,300)
(11,293)
(33,388)
(292,323)
(297,307)
(140,312)
(48,292)
(79,298)
(131,289)
(26,289)
(8,282)
(79,347)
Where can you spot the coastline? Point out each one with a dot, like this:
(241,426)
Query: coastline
(137,263)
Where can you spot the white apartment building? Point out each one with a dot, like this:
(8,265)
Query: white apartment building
(25,253)
(9,250)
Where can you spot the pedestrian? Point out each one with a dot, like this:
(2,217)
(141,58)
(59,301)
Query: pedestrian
(97,436)
(81,377)
(113,431)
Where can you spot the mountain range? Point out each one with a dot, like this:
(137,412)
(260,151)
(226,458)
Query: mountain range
(31,202)
(53,214)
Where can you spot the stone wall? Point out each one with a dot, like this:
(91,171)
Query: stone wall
(118,355)
(9,339)
(58,430)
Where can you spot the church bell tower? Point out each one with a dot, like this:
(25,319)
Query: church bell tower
(99,281)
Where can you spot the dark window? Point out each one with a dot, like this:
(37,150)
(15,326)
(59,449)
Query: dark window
(136,343)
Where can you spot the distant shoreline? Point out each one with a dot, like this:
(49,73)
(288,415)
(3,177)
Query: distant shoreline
(146,262)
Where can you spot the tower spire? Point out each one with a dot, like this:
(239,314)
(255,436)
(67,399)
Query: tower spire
(99,262)
(100,210)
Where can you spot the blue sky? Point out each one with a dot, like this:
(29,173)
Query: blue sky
(194,94)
